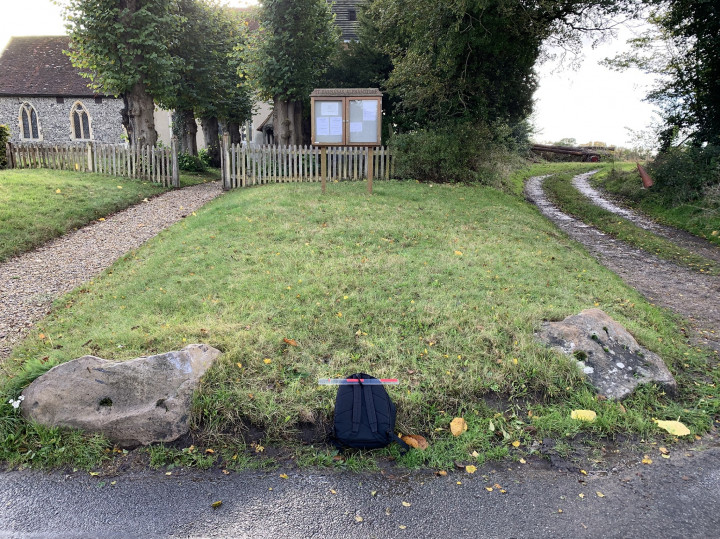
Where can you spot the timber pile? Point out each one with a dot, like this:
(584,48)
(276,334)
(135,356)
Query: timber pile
(586,153)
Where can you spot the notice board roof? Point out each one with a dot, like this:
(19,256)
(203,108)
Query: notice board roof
(346,92)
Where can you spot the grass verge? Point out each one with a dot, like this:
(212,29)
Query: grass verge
(561,191)
(701,217)
(442,286)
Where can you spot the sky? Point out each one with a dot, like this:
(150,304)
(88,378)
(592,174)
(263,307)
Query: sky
(591,103)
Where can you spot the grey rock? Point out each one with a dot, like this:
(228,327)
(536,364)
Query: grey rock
(135,402)
(613,361)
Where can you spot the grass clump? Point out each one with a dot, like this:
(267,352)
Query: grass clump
(700,217)
(442,286)
(561,191)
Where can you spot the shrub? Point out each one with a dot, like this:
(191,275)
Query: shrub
(4,137)
(191,163)
(458,153)
(204,156)
(686,173)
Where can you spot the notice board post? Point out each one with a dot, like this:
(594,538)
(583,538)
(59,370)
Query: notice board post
(346,117)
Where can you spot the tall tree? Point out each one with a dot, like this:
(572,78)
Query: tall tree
(682,48)
(292,50)
(123,47)
(209,86)
(473,60)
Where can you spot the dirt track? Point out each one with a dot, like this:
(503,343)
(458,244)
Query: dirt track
(690,294)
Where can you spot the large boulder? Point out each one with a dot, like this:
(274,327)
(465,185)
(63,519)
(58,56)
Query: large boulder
(135,402)
(610,357)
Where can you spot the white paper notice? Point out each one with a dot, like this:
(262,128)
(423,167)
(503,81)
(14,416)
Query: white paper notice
(356,127)
(369,111)
(322,127)
(335,125)
(329,109)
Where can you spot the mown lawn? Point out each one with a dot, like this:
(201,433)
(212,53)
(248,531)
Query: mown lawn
(38,205)
(440,286)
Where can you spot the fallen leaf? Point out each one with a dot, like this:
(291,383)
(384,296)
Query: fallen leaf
(663,450)
(665,456)
(333,491)
(489,489)
(239,365)
(226,472)
(646,460)
(267,361)
(522,461)
(583,472)
(600,494)
(216,504)
(416,441)
(58,191)
(622,408)
(583,415)
(168,473)
(581,495)
(211,451)
(441,473)
(475,454)
(119,186)
(470,468)
(406,504)
(358,518)
(291,342)
(41,336)
(675,428)
(101,219)
(94,474)
(503,491)
(516,443)
(458,426)
(458,253)
(402,527)
(373,493)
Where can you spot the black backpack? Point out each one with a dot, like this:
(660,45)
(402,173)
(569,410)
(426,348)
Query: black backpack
(364,416)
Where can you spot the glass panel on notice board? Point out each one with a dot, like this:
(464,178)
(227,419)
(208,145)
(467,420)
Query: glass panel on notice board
(363,121)
(329,122)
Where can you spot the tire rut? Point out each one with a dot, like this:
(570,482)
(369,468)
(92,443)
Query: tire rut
(690,294)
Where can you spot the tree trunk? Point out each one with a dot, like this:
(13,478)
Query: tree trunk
(281,122)
(185,129)
(211,133)
(298,123)
(234,132)
(138,116)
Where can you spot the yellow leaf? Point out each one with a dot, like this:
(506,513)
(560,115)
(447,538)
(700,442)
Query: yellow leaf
(600,494)
(458,253)
(441,473)
(101,219)
(470,468)
(226,472)
(402,527)
(333,491)
(516,443)
(41,336)
(58,191)
(666,456)
(646,460)
(217,504)
(581,495)
(475,454)
(283,475)
(119,186)
(503,491)
(211,451)
(673,427)
(522,461)
(458,426)
(94,474)
(459,483)
(168,473)
(515,361)
(267,361)
(406,504)
(239,365)
(663,450)
(583,415)
(358,518)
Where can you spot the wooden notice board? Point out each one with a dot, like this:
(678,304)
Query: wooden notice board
(346,116)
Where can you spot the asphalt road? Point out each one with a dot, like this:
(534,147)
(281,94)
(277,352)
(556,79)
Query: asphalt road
(672,497)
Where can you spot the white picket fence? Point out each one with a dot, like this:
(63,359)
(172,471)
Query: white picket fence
(243,166)
(155,164)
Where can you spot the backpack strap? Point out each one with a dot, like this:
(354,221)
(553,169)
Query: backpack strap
(357,408)
(370,404)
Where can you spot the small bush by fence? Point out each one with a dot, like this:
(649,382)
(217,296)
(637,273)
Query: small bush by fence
(155,164)
(243,166)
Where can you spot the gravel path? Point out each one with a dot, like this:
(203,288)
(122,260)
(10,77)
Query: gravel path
(693,295)
(678,237)
(30,282)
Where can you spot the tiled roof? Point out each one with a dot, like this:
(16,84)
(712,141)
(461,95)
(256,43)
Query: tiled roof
(36,66)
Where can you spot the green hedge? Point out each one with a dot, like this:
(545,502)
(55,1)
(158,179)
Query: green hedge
(4,137)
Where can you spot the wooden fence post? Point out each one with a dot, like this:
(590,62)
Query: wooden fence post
(370,169)
(323,167)
(9,155)
(90,157)
(175,169)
